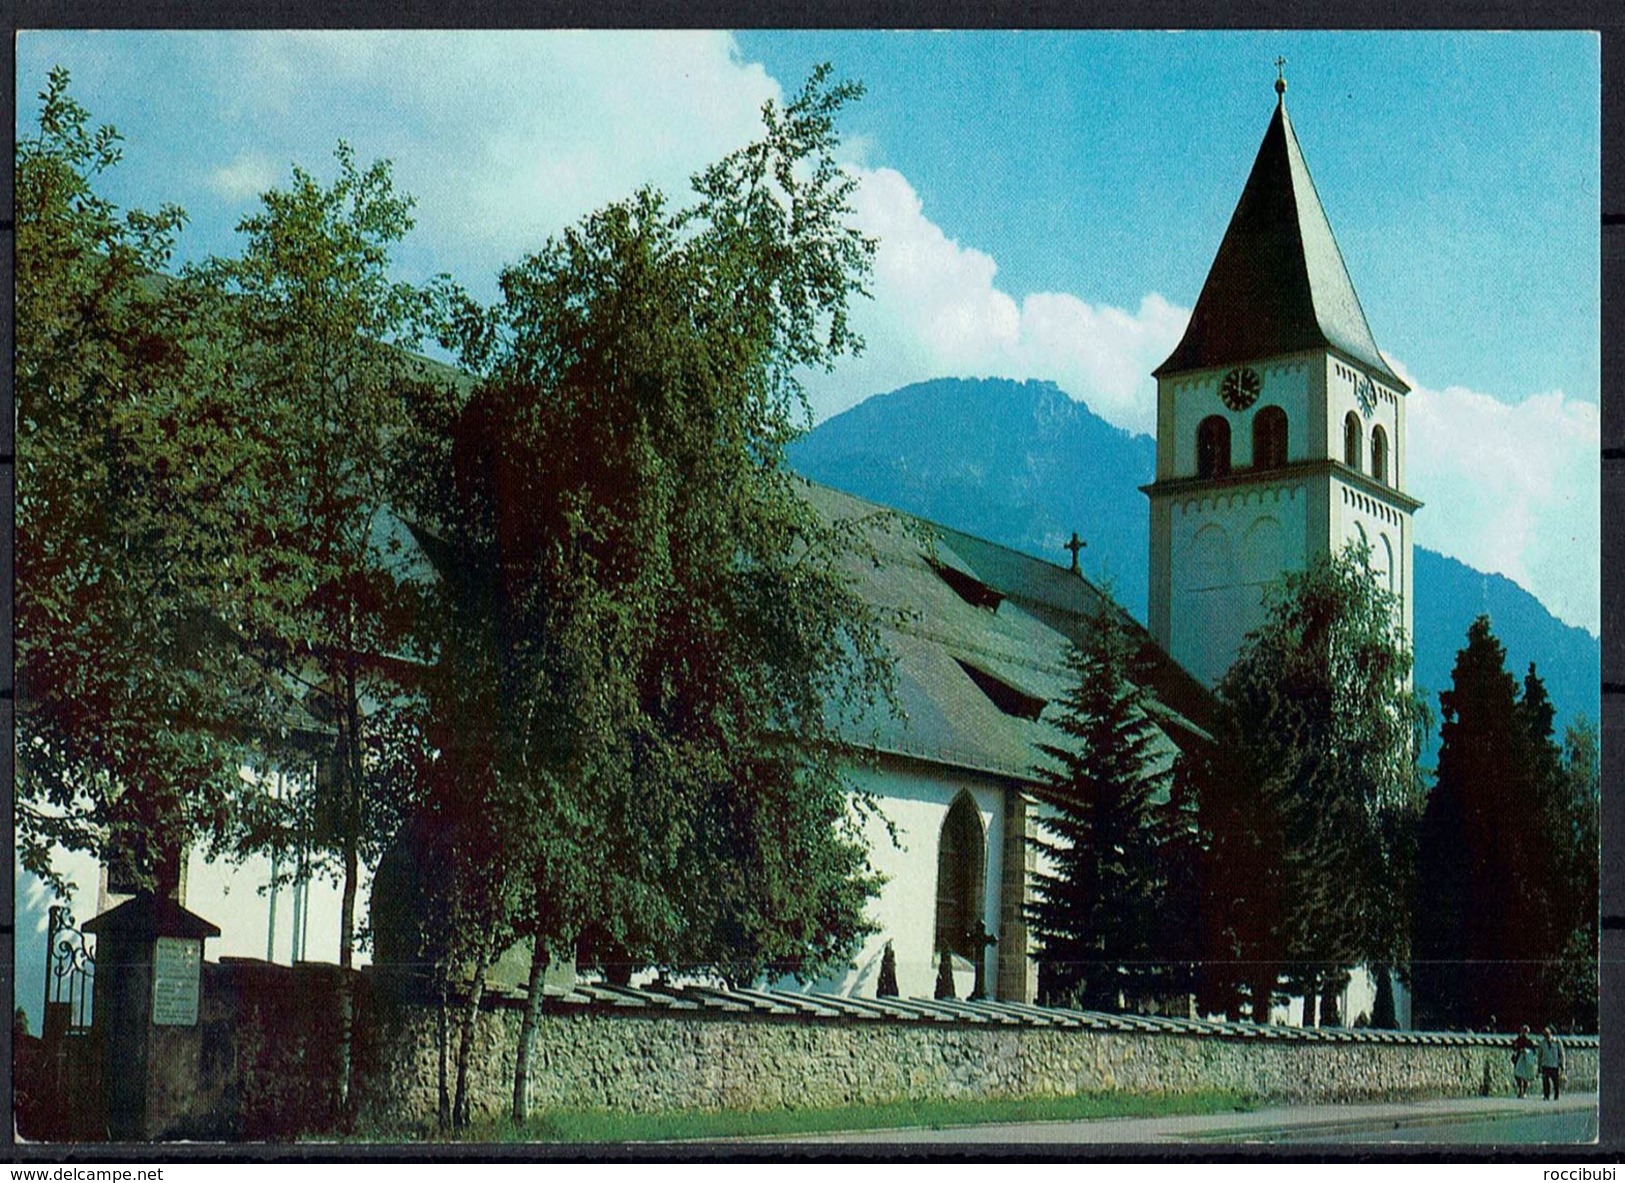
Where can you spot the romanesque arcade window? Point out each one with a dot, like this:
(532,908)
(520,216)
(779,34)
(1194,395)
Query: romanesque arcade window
(961,859)
(1213,447)
(1351,440)
(1379,453)
(1269,438)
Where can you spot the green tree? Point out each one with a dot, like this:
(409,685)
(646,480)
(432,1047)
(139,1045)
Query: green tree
(1508,854)
(1317,743)
(134,705)
(1487,845)
(311,338)
(675,634)
(1572,985)
(1097,913)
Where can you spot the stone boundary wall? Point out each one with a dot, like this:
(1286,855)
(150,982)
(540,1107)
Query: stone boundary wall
(641,1060)
(269,1065)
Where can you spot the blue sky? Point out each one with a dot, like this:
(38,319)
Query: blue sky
(1047,204)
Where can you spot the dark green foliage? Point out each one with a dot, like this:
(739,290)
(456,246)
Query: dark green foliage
(1508,856)
(1097,912)
(1312,795)
(133,702)
(887,986)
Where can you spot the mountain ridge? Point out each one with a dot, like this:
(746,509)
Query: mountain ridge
(1024,464)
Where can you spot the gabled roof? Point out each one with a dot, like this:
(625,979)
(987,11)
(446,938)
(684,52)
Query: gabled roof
(978,634)
(969,667)
(1278,284)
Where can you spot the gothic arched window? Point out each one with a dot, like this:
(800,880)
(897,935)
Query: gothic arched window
(1269,438)
(1379,453)
(1213,447)
(961,859)
(1351,440)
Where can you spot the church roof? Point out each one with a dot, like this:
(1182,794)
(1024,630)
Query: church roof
(979,634)
(1278,284)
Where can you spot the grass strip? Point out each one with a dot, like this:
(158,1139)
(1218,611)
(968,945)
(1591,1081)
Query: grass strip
(605,1126)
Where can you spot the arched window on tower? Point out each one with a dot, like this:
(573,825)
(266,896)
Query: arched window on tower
(1351,440)
(1379,453)
(1213,447)
(961,859)
(1269,438)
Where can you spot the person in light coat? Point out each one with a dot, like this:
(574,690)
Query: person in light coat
(1523,1062)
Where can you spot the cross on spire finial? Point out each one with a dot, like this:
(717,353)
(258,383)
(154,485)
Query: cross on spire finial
(1075,546)
(1280,75)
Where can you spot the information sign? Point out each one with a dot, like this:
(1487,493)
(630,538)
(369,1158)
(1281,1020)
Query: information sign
(177,968)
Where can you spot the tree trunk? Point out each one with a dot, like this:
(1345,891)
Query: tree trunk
(352,871)
(345,1055)
(527,1034)
(443,1025)
(350,810)
(350,779)
(476,991)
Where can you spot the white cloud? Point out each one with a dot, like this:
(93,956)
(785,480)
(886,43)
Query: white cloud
(938,311)
(506,137)
(248,175)
(1513,488)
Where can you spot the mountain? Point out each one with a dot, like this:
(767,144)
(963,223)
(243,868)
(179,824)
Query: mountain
(1023,464)
(1018,463)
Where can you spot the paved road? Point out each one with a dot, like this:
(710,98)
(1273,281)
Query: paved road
(1481,1120)
(1570,1126)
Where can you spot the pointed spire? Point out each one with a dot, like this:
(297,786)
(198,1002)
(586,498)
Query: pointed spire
(1278,283)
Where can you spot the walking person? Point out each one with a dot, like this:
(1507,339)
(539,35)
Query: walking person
(1551,1066)
(1523,1062)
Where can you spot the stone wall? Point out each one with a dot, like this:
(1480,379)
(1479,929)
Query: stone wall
(267,1063)
(599,1058)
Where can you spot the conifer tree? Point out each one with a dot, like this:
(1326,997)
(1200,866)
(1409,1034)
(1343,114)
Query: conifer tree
(1096,911)
(886,987)
(1572,979)
(1506,905)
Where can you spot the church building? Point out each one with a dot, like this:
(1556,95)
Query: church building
(1280,428)
(1280,437)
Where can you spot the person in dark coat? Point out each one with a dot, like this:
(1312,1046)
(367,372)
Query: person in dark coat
(1551,1066)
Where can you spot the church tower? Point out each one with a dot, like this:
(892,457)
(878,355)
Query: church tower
(1280,429)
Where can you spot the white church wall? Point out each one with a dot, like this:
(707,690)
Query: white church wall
(232,895)
(1286,384)
(1387,411)
(1227,544)
(1357,1000)
(1357,516)
(254,923)
(915,799)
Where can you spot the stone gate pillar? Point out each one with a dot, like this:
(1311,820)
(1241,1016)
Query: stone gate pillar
(146,1003)
(1018,972)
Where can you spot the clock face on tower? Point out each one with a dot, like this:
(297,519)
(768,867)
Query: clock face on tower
(1240,388)
(1366,392)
